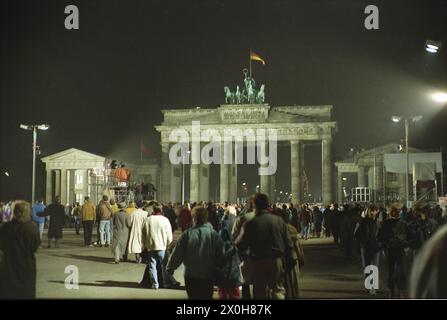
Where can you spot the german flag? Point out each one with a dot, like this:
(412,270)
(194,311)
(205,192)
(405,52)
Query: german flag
(256,57)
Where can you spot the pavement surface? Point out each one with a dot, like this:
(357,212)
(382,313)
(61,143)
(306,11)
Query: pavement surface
(326,275)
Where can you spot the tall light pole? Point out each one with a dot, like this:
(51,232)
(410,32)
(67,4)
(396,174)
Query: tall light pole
(34,128)
(412,119)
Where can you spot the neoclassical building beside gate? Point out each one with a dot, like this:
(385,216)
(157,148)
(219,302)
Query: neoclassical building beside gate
(295,126)
(73,174)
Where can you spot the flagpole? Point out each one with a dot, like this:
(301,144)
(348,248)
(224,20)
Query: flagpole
(141,150)
(250,62)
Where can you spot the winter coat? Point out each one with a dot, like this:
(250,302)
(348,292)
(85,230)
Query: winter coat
(291,277)
(366,233)
(185,219)
(56,211)
(121,225)
(38,208)
(266,236)
(104,210)
(200,249)
(419,231)
(228,273)
(136,222)
(18,242)
(88,212)
(157,232)
(428,278)
(393,235)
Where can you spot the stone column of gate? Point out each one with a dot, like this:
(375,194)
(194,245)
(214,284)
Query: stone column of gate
(327,170)
(49,186)
(165,173)
(264,180)
(194,182)
(339,187)
(361,181)
(204,179)
(224,177)
(204,182)
(301,151)
(85,184)
(295,170)
(233,182)
(63,186)
(57,185)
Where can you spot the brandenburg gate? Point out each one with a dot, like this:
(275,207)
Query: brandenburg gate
(295,126)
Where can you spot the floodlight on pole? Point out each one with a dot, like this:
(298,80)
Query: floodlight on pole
(440,97)
(396,119)
(34,128)
(433,46)
(407,129)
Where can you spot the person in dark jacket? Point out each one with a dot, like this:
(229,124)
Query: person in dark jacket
(428,277)
(294,220)
(267,238)
(347,227)
(200,249)
(169,213)
(229,273)
(305,220)
(336,217)
(185,218)
(366,233)
(19,241)
(56,212)
(420,229)
(318,220)
(327,221)
(394,237)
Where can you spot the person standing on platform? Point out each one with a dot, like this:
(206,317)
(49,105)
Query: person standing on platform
(88,217)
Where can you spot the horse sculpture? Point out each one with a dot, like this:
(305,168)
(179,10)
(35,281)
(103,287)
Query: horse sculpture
(260,98)
(229,96)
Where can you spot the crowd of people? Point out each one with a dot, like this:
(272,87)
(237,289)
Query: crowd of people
(250,250)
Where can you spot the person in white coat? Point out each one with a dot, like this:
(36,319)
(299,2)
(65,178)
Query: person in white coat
(136,221)
(157,235)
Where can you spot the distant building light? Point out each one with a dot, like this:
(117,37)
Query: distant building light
(395,118)
(432,46)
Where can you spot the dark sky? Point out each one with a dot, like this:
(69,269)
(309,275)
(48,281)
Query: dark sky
(101,87)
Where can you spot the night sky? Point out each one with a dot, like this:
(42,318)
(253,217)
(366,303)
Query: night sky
(101,87)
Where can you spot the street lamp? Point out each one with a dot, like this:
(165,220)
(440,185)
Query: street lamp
(406,119)
(440,97)
(34,128)
(432,46)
